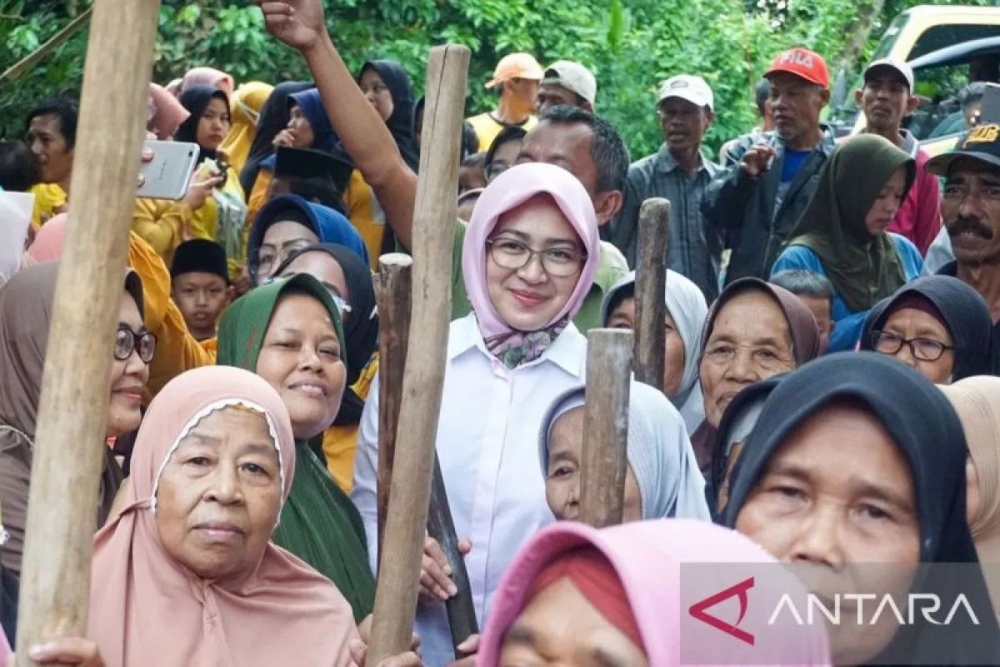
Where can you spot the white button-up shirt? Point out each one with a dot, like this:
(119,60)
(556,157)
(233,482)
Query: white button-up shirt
(487,443)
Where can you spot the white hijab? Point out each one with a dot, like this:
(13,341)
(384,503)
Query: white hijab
(686,305)
(659,453)
(15,217)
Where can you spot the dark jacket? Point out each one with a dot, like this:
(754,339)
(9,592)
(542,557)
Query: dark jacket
(742,207)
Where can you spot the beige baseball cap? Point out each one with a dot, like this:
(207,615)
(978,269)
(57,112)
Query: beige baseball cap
(694,89)
(516,66)
(572,76)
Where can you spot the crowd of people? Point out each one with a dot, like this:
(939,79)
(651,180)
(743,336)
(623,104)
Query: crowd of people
(830,399)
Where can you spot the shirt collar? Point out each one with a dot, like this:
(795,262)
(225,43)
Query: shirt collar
(564,352)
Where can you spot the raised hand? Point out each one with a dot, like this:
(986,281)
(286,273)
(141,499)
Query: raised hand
(297,23)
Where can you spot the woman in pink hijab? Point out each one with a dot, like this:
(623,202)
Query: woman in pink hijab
(208,76)
(529,256)
(630,593)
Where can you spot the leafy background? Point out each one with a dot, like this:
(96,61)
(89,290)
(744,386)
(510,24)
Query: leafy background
(630,45)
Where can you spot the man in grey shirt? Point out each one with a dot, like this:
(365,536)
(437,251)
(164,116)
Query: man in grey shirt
(679,173)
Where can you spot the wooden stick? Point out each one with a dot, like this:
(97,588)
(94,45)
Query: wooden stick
(434,223)
(441,526)
(395,284)
(73,412)
(650,288)
(605,426)
(30,60)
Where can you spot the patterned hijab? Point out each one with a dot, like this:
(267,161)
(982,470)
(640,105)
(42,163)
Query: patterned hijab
(509,191)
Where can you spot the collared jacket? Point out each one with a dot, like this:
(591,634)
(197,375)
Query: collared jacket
(743,208)
(694,250)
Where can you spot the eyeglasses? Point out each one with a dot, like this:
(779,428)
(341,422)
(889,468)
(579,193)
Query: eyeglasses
(128,341)
(923,349)
(269,258)
(514,255)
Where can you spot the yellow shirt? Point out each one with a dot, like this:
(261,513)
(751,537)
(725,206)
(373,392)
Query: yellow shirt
(365,214)
(487,128)
(49,199)
(341,442)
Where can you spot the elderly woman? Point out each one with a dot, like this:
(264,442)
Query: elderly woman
(864,493)
(662,479)
(686,313)
(580,596)
(754,331)
(977,402)
(842,233)
(289,332)
(938,325)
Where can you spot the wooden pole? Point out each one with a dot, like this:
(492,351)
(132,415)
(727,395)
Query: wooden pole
(605,426)
(395,284)
(434,222)
(73,412)
(441,526)
(650,288)
(30,60)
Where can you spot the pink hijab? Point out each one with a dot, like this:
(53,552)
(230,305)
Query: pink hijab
(648,557)
(148,609)
(166,113)
(208,76)
(49,240)
(511,189)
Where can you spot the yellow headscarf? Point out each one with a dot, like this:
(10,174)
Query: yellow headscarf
(245,107)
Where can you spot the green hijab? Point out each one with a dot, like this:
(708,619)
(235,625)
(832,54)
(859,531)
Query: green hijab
(864,269)
(319,523)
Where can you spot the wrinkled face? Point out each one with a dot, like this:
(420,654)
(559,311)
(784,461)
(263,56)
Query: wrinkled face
(562,479)
(970,209)
(820,308)
(201,298)
(825,509)
(301,358)
(559,626)
(324,268)
(928,334)
(214,125)
(48,143)
(300,128)
(885,100)
(887,203)
(568,145)
(529,298)
(750,341)
(376,92)
(623,317)
(796,104)
(553,95)
(219,495)
(128,378)
(281,240)
(683,124)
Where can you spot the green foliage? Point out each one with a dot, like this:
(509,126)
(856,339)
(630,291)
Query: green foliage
(631,45)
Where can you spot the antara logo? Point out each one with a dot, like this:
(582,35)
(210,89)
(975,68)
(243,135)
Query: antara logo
(699,610)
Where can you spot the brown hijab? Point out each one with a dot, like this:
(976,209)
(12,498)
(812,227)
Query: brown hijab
(25,313)
(801,325)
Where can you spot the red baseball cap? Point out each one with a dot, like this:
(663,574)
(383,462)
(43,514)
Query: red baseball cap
(802,63)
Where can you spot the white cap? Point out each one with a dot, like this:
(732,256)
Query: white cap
(574,77)
(694,89)
(898,66)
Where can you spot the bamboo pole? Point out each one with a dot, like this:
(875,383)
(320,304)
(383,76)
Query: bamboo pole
(395,282)
(30,60)
(441,526)
(433,238)
(73,412)
(650,288)
(605,426)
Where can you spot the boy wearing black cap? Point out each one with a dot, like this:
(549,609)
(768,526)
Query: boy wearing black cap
(199,285)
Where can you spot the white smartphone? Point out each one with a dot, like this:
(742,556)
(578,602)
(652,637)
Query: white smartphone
(168,174)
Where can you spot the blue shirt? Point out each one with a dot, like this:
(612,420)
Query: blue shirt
(848,325)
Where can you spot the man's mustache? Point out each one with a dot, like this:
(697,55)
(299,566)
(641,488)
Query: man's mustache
(975,226)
